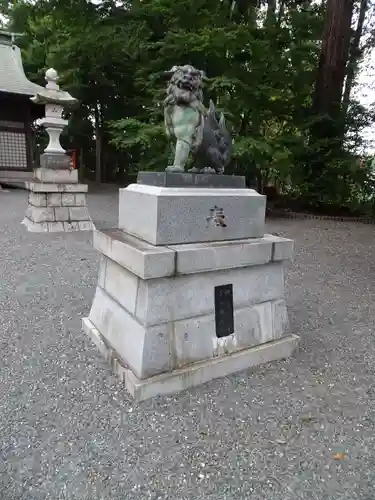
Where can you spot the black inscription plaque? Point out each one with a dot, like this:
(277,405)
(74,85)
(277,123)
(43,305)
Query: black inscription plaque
(224,317)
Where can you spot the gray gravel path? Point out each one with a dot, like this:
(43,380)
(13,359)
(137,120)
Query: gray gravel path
(68,430)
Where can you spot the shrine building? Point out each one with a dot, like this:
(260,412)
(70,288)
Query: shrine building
(17,114)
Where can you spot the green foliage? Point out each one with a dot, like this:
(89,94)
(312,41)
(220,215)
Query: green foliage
(352,194)
(261,67)
(144,143)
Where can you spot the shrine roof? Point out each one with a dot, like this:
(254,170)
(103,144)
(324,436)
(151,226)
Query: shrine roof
(12,75)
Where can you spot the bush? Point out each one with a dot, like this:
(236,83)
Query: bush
(343,188)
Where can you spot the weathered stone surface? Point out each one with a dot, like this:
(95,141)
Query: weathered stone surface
(283,249)
(199,257)
(71,188)
(139,257)
(194,374)
(44,187)
(68,199)
(40,214)
(280,318)
(79,214)
(57,162)
(186,179)
(144,350)
(62,214)
(200,373)
(153,315)
(102,271)
(38,199)
(58,209)
(45,227)
(168,216)
(93,333)
(35,227)
(55,227)
(53,199)
(195,338)
(190,258)
(85,225)
(184,307)
(80,200)
(190,296)
(71,226)
(120,284)
(48,175)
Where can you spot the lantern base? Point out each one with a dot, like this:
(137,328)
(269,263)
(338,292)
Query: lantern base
(56,161)
(56,206)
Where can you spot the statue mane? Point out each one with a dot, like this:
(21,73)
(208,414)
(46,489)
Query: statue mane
(198,132)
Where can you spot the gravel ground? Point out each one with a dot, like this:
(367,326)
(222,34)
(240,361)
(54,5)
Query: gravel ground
(70,431)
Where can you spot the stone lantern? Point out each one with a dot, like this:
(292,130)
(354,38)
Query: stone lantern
(55,101)
(57,202)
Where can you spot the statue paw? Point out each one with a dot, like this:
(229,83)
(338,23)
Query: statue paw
(209,170)
(174,168)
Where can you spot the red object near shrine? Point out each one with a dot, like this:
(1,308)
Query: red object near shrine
(74,159)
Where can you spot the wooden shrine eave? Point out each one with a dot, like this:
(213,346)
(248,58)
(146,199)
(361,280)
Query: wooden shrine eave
(19,107)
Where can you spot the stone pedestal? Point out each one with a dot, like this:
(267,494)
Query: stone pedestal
(168,216)
(57,202)
(158,315)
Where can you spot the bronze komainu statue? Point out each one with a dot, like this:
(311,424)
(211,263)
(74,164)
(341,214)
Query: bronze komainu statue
(192,127)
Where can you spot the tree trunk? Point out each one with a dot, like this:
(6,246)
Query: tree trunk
(325,143)
(281,11)
(98,145)
(271,11)
(333,59)
(355,54)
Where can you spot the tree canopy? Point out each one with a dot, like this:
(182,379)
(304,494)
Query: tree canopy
(283,81)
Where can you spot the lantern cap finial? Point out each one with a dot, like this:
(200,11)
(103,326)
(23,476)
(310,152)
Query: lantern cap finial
(52,78)
(52,94)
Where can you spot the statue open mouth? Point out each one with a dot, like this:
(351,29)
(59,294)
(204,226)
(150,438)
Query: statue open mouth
(185,86)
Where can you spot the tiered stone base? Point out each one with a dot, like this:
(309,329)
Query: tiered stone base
(190,288)
(153,315)
(193,375)
(55,204)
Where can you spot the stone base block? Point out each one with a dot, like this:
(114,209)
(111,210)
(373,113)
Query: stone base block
(55,161)
(57,227)
(63,176)
(50,187)
(149,261)
(155,308)
(57,207)
(172,216)
(193,375)
(186,179)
